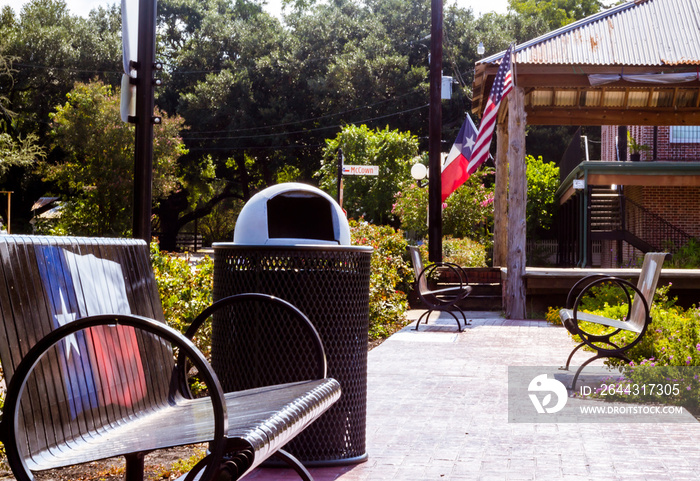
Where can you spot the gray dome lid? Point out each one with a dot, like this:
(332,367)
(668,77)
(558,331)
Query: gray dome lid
(292,214)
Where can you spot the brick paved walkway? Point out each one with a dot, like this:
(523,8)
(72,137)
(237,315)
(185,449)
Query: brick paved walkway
(437,410)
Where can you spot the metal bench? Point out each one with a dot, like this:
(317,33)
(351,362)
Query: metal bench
(636,320)
(91,370)
(442,300)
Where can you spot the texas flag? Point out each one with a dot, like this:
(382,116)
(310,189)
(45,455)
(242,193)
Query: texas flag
(454,171)
(101,366)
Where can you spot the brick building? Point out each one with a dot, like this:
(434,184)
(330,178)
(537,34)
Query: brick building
(658,201)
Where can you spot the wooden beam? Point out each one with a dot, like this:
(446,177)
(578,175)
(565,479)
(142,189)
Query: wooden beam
(500,200)
(611,116)
(517,200)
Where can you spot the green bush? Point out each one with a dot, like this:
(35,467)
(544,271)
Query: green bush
(468,212)
(463,252)
(687,257)
(390,277)
(185,291)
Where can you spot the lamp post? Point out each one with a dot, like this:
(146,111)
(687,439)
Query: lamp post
(435,135)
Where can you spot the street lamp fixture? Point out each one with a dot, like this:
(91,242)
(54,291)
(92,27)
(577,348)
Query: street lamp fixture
(419,172)
(480,48)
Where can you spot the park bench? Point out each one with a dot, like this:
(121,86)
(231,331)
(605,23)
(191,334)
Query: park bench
(441,299)
(91,370)
(636,321)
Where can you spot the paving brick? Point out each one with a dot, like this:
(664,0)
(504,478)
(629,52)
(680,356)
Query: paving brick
(437,410)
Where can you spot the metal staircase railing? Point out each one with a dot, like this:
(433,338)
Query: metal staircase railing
(651,228)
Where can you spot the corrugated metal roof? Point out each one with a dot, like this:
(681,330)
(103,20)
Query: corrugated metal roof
(641,32)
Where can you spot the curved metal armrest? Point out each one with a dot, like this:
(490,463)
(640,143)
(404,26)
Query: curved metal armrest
(304,322)
(584,280)
(626,286)
(29,362)
(461,293)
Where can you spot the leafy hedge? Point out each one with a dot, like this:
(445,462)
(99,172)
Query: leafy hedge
(185,291)
(390,277)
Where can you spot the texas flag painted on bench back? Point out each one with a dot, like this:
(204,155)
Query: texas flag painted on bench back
(101,366)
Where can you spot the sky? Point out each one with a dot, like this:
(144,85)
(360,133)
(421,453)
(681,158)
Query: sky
(83,7)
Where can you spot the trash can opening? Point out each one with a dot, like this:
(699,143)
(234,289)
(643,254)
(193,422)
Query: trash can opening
(291,214)
(296,215)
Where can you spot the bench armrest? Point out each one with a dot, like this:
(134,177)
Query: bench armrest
(582,283)
(306,324)
(628,288)
(455,294)
(9,428)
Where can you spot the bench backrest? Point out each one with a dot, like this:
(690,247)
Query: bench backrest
(418,268)
(96,377)
(648,278)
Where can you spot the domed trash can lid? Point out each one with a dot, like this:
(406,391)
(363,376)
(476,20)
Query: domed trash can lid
(291,214)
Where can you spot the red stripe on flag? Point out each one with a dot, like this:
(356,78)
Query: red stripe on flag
(453,175)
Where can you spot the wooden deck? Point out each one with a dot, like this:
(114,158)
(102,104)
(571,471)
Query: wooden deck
(548,287)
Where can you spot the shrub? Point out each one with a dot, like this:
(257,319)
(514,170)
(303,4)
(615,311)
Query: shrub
(411,207)
(390,277)
(468,212)
(185,291)
(463,252)
(687,257)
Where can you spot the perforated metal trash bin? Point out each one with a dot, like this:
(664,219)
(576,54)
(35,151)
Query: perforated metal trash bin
(329,282)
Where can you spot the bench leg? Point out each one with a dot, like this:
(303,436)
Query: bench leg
(466,322)
(295,464)
(568,361)
(426,315)
(134,467)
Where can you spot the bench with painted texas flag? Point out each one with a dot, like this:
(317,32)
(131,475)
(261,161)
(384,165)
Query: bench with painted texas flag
(91,367)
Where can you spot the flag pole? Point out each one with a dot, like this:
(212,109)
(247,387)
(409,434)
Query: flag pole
(435,135)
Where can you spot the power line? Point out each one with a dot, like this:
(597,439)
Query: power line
(309,130)
(286,124)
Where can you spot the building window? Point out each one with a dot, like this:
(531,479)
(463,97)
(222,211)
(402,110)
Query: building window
(686,134)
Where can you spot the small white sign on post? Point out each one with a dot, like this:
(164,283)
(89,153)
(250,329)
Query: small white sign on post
(360,170)
(579,184)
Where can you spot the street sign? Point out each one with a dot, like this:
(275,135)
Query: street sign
(360,170)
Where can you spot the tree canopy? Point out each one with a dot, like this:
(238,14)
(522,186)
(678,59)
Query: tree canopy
(259,97)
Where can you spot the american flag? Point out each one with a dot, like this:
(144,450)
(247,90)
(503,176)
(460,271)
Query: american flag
(501,86)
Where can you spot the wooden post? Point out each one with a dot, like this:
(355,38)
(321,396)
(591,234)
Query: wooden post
(517,199)
(500,200)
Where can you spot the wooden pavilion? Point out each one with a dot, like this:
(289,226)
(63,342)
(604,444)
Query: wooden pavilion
(634,64)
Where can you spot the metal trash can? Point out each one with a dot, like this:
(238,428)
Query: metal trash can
(293,241)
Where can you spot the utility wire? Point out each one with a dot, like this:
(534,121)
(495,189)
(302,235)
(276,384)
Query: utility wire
(311,119)
(308,130)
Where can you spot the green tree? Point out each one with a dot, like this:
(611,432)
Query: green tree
(542,184)
(53,49)
(96,178)
(370,197)
(555,13)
